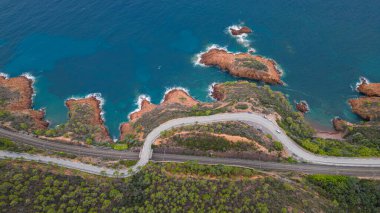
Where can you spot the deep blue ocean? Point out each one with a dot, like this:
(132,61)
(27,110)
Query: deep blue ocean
(124,48)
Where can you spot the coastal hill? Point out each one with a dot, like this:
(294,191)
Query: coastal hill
(16,110)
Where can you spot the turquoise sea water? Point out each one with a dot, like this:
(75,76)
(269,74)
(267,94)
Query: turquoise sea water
(122,49)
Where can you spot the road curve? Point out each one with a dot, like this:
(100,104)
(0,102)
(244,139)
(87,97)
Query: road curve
(269,126)
(331,164)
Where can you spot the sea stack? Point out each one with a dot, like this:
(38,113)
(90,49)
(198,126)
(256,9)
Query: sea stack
(303,106)
(240,31)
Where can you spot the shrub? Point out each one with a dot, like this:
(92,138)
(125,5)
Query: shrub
(241,106)
(6,144)
(278,146)
(120,147)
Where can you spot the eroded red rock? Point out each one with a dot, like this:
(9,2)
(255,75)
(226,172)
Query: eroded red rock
(366,107)
(242,30)
(16,97)
(303,106)
(243,65)
(369,89)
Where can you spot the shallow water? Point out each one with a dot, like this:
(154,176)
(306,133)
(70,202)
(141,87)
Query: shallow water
(122,49)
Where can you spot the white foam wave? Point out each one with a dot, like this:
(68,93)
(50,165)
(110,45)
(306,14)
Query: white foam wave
(102,101)
(362,80)
(29,76)
(139,102)
(33,79)
(251,50)
(197,58)
(6,76)
(174,88)
(211,90)
(278,67)
(97,96)
(242,38)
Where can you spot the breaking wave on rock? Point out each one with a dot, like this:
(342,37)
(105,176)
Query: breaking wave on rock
(139,102)
(197,58)
(242,38)
(362,80)
(211,90)
(6,76)
(168,90)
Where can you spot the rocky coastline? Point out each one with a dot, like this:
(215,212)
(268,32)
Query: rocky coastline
(243,65)
(368,89)
(175,96)
(16,105)
(366,107)
(87,112)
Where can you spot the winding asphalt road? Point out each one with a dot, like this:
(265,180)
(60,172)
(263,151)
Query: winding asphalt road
(316,164)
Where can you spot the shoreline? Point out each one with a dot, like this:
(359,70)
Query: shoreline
(319,127)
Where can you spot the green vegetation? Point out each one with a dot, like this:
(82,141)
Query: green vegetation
(207,142)
(129,141)
(17,121)
(278,146)
(189,187)
(154,118)
(241,106)
(14,120)
(124,164)
(349,193)
(204,139)
(79,126)
(193,168)
(120,147)
(6,144)
(230,128)
(251,63)
(338,148)
(202,111)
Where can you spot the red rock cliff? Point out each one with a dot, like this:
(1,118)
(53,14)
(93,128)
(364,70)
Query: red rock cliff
(175,96)
(17,96)
(92,106)
(366,107)
(180,97)
(369,89)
